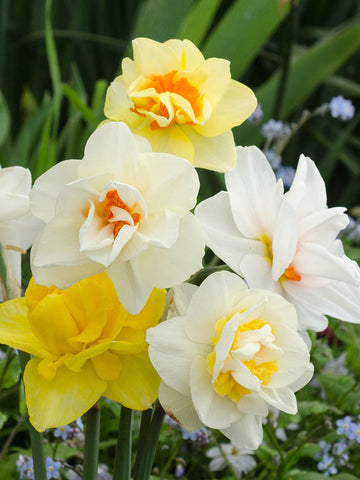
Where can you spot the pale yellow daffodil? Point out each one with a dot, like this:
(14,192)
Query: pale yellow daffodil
(84,345)
(182,103)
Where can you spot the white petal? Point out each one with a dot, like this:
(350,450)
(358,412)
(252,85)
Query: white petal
(313,259)
(46,188)
(246,432)
(322,226)
(282,398)
(111,148)
(179,407)
(214,410)
(172,352)
(170,182)
(250,185)
(15,184)
(180,299)
(160,230)
(218,296)
(256,270)
(307,192)
(222,234)
(338,299)
(252,404)
(284,239)
(20,232)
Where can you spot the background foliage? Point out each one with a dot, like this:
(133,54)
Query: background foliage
(56,61)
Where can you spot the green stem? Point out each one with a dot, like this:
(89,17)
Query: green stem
(141,446)
(147,453)
(122,465)
(36,438)
(91,453)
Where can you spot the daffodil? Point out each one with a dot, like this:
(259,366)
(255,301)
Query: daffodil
(18,227)
(226,355)
(84,345)
(286,243)
(182,103)
(123,209)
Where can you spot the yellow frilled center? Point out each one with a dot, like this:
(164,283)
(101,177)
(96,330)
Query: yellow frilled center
(225,384)
(86,322)
(170,97)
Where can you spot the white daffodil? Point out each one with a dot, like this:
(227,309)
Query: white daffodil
(284,242)
(123,209)
(18,227)
(229,354)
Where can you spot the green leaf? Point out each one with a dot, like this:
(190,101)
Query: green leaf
(307,71)
(197,22)
(242,31)
(76,101)
(165,15)
(339,391)
(12,373)
(304,475)
(3,418)
(313,407)
(4,119)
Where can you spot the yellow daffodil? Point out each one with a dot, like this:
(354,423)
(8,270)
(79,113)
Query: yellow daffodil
(84,345)
(182,103)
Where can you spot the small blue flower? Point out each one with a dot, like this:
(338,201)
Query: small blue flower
(325,449)
(341,108)
(25,466)
(179,470)
(275,129)
(286,174)
(200,436)
(257,115)
(64,432)
(327,466)
(344,426)
(354,432)
(273,158)
(52,468)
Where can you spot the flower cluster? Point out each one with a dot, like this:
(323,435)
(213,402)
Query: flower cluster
(342,108)
(115,228)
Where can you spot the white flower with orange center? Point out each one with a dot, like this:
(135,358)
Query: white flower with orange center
(123,209)
(182,103)
(284,242)
(226,355)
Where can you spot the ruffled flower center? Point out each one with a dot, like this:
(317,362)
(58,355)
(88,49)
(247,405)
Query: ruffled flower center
(167,99)
(244,357)
(127,216)
(289,272)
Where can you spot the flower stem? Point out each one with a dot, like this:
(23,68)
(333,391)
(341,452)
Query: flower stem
(122,465)
(91,453)
(36,439)
(147,453)
(141,446)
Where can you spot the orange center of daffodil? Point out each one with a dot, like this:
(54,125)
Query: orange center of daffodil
(289,271)
(225,383)
(112,199)
(171,83)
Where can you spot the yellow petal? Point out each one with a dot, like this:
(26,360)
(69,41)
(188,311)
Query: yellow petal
(89,302)
(137,385)
(76,362)
(118,104)
(235,106)
(150,314)
(169,140)
(189,55)
(63,399)
(53,324)
(154,58)
(130,71)
(15,329)
(215,153)
(107,366)
(35,293)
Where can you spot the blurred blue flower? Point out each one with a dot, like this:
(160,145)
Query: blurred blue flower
(286,174)
(327,466)
(52,468)
(64,432)
(344,426)
(354,432)
(273,158)
(275,129)
(25,466)
(200,436)
(257,115)
(341,108)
